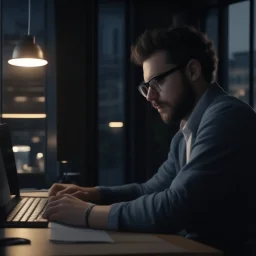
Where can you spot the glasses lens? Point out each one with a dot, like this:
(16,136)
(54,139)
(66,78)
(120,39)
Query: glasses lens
(143,90)
(154,85)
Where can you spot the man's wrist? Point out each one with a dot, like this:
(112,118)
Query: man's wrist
(98,217)
(87,214)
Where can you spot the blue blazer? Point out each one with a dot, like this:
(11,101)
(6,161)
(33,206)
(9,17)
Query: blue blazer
(213,196)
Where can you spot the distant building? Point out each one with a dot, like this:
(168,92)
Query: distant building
(238,76)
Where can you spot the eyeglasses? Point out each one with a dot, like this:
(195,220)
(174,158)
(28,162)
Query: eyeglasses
(154,82)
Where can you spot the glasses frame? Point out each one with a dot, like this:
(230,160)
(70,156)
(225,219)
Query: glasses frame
(157,78)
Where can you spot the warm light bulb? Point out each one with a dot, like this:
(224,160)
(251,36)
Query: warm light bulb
(116,124)
(27,62)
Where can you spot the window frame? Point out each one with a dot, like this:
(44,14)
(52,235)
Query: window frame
(223,45)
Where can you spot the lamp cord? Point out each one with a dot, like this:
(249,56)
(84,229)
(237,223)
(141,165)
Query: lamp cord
(29,16)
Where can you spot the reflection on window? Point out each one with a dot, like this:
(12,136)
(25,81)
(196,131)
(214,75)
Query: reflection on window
(23,98)
(111,92)
(238,72)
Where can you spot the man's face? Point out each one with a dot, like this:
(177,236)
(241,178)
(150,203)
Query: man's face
(176,98)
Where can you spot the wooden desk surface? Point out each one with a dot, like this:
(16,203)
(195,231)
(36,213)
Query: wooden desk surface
(124,244)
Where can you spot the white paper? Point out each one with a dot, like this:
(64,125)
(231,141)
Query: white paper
(67,234)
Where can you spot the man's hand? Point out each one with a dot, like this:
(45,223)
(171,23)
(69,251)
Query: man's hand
(67,209)
(83,193)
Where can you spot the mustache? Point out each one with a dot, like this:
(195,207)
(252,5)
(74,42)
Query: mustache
(158,104)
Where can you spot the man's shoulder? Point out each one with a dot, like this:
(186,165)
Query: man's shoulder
(228,118)
(229,107)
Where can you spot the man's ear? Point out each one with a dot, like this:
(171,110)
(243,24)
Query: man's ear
(193,70)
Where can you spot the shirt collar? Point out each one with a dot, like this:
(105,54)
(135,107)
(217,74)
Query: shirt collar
(183,124)
(184,128)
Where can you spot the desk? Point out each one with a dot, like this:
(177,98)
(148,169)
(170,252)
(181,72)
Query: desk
(125,244)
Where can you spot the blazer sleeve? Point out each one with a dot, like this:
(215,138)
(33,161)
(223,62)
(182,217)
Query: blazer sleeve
(160,181)
(202,183)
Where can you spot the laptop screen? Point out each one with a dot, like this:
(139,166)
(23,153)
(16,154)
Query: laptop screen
(9,159)
(5,194)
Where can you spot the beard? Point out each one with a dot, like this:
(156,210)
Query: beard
(183,106)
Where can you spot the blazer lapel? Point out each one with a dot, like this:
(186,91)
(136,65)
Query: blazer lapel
(182,152)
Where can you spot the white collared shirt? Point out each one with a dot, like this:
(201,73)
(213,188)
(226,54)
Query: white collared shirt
(188,137)
(194,119)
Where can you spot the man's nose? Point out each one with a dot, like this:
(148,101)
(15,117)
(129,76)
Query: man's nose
(152,95)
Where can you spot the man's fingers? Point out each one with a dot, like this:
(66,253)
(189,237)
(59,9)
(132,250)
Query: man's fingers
(64,191)
(54,198)
(51,210)
(68,190)
(77,194)
(54,203)
(58,198)
(55,189)
(57,216)
(81,195)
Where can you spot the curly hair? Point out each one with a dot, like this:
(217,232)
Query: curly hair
(181,45)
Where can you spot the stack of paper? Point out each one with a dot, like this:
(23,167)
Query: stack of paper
(60,233)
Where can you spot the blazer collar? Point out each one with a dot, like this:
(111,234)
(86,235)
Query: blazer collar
(206,99)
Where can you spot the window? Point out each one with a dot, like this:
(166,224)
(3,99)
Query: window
(238,43)
(254,54)
(115,41)
(111,92)
(23,89)
(211,26)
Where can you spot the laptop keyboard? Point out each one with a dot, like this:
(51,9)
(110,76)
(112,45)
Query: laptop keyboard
(28,209)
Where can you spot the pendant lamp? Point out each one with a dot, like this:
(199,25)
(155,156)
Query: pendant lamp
(27,53)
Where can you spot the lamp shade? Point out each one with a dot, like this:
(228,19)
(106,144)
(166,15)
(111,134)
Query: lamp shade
(27,53)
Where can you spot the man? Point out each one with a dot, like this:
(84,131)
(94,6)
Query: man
(206,187)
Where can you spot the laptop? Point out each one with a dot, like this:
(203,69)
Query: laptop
(15,210)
